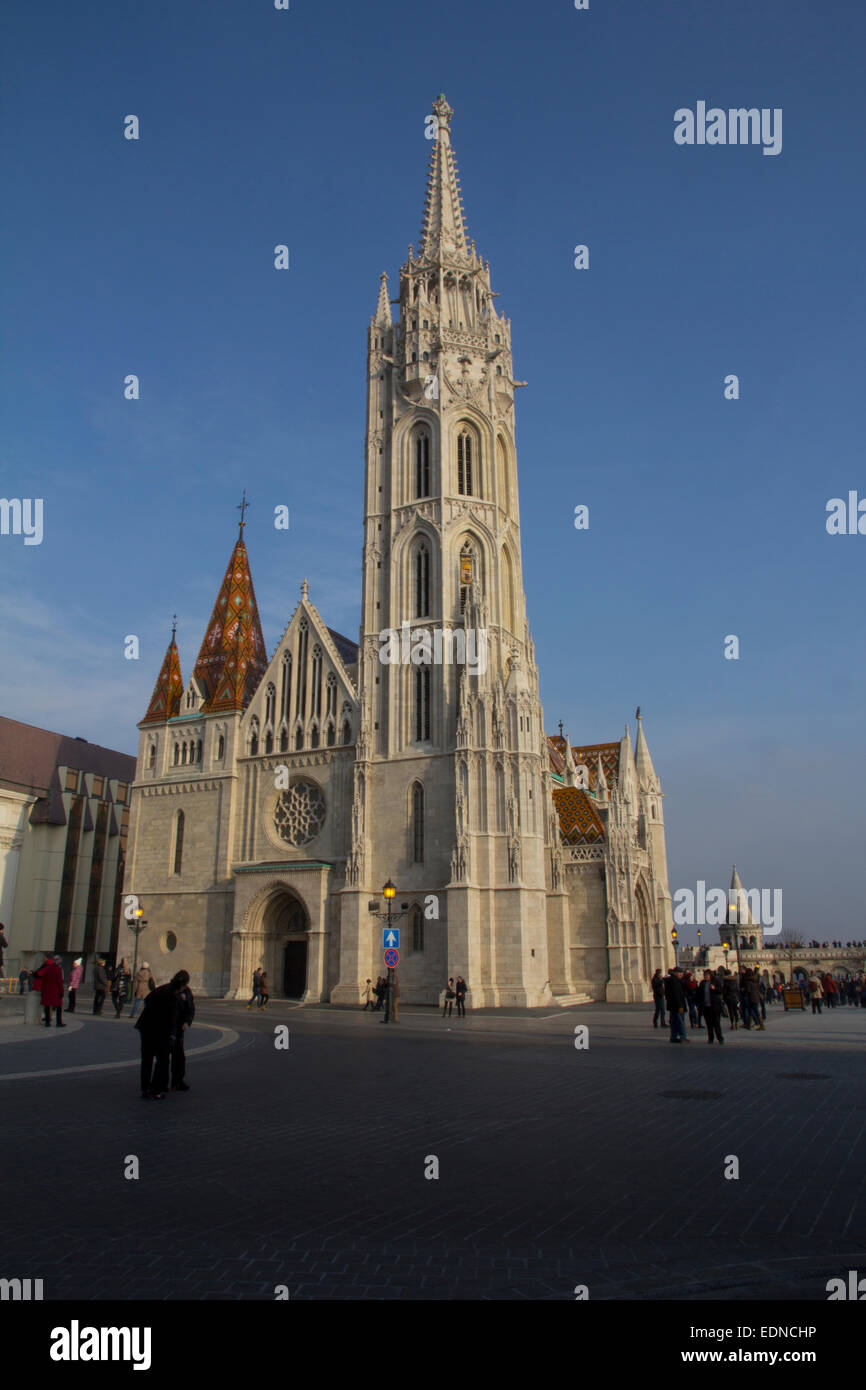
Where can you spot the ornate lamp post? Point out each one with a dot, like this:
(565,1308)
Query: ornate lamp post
(389,892)
(726,946)
(674,940)
(700,957)
(137,925)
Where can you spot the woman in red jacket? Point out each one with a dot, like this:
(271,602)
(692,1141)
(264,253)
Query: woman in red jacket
(48,979)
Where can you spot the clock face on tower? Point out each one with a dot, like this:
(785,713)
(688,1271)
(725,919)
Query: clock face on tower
(299,814)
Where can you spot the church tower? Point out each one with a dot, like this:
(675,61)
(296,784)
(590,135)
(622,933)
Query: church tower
(451,795)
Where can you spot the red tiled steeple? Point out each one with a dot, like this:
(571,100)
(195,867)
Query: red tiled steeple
(165,700)
(232,659)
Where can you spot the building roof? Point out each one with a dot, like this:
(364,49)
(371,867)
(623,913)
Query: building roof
(232,658)
(30,757)
(587,754)
(165,700)
(579,820)
(346,648)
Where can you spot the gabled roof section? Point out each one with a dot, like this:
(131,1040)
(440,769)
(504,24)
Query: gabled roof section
(579,821)
(347,649)
(165,700)
(232,658)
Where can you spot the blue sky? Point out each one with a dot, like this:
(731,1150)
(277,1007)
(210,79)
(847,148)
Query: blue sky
(707,516)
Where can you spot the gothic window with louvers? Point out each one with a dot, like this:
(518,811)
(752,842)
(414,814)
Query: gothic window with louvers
(300,812)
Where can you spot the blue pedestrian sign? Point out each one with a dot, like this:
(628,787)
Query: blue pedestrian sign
(390,937)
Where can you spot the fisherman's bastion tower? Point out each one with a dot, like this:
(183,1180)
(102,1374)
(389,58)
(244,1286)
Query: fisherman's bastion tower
(275,796)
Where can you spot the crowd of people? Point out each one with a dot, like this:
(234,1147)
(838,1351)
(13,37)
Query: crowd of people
(741,998)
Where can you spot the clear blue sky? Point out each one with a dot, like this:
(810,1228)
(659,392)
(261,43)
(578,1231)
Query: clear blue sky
(307,127)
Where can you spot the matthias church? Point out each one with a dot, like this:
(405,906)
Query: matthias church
(275,796)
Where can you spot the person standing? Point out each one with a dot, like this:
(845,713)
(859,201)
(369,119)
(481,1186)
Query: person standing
(257,989)
(4,945)
(264,994)
(460,988)
(100,984)
(185,1016)
(816,993)
(690,985)
(75,975)
(158,1025)
(23,981)
(141,986)
(48,979)
(379,991)
(120,979)
(711,1006)
(368,996)
(752,1000)
(675,997)
(731,997)
(450,996)
(831,993)
(658,989)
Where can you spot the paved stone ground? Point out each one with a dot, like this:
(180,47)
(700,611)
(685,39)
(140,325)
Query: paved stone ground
(558,1167)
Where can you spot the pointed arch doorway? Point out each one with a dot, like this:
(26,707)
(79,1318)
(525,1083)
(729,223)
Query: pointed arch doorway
(286,927)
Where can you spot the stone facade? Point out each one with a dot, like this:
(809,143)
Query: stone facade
(274,798)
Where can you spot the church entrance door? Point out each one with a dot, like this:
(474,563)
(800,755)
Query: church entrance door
(295,969)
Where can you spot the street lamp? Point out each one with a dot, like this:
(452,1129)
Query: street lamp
(389,893)
(726,946)
(137,925)
(700,957)
(674,940)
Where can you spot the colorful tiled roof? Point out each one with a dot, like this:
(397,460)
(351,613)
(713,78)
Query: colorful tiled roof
(588,755)
(232,659)
(579,820)
(165,700)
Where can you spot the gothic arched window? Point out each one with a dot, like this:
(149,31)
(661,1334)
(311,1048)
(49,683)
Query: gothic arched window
(332,735)
(270,703)
(314,736)
(269,742)
(422,463)
(254,738)
(301,697)
(299,738)
(465,462)
(179,822)
(416,920)
(422,704)
(421,578)
(317,682)
(286,691)
(417,823)
(176,754)
(331,695)
(198,748)
(151,755)
(347,731)
(221,748)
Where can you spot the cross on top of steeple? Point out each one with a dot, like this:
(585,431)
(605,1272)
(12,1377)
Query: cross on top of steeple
(242,508)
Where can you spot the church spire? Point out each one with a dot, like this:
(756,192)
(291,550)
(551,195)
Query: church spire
(443,229)
(232,658)
(644,763)
(383,306)
(165,700)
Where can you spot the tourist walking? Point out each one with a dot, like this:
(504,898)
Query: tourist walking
(100,984)
(460,988)
(74,981)
(450,996)
(690,985)
(257,989)
(120,981)
(658,989)
(831,993)
(48,979)
(816,993)
(141,986)
(185,1016)
(368,997)
(731,999)
(379,991)
(675,998)
(264,992)
(158,1024)
(711,1006)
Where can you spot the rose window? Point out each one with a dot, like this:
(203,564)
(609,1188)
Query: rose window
(300,812)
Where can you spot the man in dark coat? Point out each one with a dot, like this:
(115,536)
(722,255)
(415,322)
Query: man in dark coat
(48,979)
(100,984)
(185,1016)
(675,996)
(158,1026)
(460,989)
(710,995)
